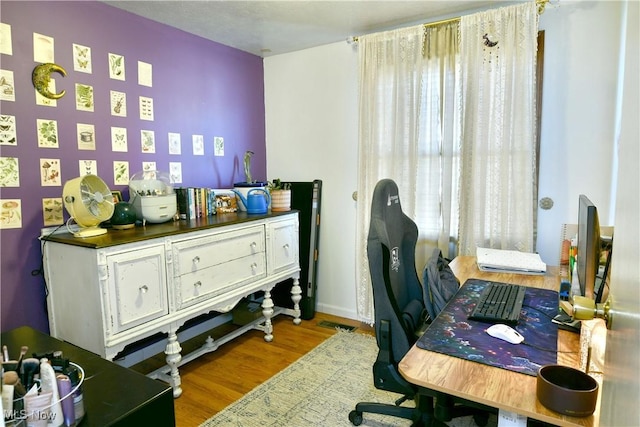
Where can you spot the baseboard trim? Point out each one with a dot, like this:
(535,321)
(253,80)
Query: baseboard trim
(337,311)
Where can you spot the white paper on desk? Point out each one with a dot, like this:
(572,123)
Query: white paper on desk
(511,419)
(507,261)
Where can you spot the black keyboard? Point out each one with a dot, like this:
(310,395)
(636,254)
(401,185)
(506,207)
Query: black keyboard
(499,303)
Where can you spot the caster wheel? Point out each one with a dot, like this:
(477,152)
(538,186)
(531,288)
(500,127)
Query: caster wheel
(355,417)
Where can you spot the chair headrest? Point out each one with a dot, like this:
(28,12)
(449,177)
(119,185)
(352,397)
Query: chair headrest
(386,210)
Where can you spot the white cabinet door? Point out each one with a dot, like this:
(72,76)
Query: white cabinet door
(284,245)
(137,287)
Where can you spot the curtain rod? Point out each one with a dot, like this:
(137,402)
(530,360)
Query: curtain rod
(540,3)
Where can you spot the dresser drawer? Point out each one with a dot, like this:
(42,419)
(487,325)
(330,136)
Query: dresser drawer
(209,282)
(191,256)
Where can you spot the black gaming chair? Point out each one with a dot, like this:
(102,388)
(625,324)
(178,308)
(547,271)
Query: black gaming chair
(399,314)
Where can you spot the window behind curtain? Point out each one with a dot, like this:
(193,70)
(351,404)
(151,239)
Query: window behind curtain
(409,132)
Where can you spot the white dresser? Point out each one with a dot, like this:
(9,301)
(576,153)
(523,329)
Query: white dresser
(110,291)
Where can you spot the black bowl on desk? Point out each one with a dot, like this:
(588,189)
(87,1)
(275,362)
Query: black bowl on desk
(567,390)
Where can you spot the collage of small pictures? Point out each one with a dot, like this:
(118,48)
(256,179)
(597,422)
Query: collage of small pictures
(47,130)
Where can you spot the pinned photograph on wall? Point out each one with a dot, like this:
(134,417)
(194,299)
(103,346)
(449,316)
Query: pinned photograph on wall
(116,67)
(86,136)
(43,100)
(146,108)
(50,173)
(47,133)
(175,172)
(145,74)
(52,211)
(42,48)
(84,97)
(86,167)
(148,166)
(118,103)
(119,139)
(218,146)
(175,146)
(8,130)
(7,86)
(82,59)
(10,213)
(198,145)
(9,172)
(6,44)
(148,141)
(120,172)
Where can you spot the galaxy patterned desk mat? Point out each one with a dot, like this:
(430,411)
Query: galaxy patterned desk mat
(455,335)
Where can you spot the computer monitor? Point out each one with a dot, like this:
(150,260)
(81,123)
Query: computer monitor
(588,246)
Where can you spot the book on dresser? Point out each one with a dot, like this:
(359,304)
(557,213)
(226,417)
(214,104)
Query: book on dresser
(195,202)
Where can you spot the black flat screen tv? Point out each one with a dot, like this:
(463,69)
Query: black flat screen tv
(588,246)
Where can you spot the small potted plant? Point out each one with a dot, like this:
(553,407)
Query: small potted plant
(280,195)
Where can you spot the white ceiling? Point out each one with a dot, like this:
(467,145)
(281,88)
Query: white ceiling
(265,28)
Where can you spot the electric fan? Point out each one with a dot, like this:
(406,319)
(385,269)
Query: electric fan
(89,202)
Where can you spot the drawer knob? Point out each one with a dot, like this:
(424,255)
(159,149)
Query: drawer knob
(143,289)
(196,259)
(197,284)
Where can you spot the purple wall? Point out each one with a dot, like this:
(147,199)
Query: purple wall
(199,87)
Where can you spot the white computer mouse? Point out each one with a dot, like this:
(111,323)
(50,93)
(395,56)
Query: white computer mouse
(505,333)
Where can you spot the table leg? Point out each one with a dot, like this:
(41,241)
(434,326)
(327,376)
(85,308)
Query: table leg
(296,296)
(267,312)
(173,360)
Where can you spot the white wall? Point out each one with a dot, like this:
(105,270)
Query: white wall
(311,101)
(578,114)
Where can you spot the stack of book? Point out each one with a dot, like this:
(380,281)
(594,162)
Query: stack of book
(195,202)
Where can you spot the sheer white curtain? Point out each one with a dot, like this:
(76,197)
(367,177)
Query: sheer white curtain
(498,58)
(409,121)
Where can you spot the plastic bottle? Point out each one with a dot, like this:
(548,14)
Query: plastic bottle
(66,398)
(50,385)
(78,397)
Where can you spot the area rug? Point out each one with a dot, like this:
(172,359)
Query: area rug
(319,389)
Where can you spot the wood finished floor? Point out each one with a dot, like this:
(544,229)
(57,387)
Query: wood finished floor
(217,379)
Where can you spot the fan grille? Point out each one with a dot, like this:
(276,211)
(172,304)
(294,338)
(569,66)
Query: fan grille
(88,200)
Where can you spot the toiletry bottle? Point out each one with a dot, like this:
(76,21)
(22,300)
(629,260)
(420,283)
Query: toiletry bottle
(50,385)
(66,397)
(78,397)
(36,408)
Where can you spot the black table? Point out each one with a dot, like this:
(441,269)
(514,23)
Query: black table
(113,395)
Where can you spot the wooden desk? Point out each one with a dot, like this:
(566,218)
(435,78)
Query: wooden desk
(495,387)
